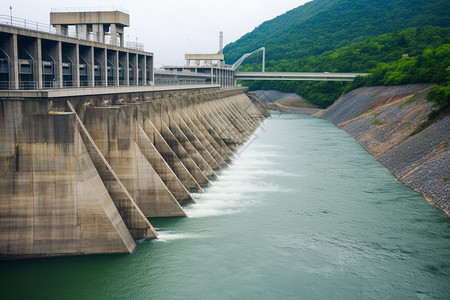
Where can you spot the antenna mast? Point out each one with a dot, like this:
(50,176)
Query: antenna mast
(221,42)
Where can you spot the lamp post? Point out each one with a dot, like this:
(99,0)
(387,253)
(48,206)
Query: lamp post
(10,13)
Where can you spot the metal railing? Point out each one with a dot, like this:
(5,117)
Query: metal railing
(52,84)
(89,9)
(165,82)
(28,85)
(135,46)
(70,32)
(26,24)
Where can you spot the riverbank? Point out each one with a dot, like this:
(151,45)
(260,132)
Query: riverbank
(393,124)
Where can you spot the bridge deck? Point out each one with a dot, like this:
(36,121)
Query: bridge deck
(297,76)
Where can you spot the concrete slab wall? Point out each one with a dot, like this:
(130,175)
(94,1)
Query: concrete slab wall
(83,175)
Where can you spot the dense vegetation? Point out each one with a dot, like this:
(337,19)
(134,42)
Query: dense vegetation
(352,36)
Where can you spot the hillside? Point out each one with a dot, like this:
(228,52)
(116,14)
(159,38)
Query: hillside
(393,124)
(365,32)
(402,130)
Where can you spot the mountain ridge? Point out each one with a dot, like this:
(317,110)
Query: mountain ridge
(305,38)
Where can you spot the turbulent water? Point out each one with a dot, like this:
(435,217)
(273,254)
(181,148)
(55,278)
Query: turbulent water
(303,212)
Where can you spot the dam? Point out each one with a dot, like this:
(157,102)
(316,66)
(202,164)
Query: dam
(83,174)
(91,149)
(304,214)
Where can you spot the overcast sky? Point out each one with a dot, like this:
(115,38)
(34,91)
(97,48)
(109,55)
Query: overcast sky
(171,28)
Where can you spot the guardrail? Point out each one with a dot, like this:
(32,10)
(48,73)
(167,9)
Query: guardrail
(165,82)
(95,8)
(70,32)
(33,85)
(26,24)
(49,85)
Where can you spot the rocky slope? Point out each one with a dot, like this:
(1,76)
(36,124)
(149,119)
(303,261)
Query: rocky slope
(286,102)
(391,123)
(394,125)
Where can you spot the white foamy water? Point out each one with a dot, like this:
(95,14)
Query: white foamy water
(166,236)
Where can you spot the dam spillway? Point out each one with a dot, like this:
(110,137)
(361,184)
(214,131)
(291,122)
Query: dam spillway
(82,174)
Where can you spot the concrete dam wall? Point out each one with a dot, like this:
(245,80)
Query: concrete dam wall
(82,175)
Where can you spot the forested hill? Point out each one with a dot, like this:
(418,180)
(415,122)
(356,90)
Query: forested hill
(294,39)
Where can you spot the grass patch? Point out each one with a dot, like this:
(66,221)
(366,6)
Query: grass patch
(378,122)
(432,118)
(375,94)
(409,101)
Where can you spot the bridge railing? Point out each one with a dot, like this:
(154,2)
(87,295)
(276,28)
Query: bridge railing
(165,82)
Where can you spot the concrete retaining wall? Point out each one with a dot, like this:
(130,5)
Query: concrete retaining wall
(82,175)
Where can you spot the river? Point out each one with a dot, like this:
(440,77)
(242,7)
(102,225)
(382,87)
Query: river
(302,212)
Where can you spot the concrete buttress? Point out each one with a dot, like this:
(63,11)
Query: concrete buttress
(53,201)
(81,174)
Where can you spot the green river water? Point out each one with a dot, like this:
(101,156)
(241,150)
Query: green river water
(303,212)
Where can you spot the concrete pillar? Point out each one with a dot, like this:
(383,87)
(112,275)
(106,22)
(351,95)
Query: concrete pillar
(101,33)
(55,52)
(13,53)
(62,30)
(113,34)
(105,68)
(115,62)
(212,75)
(81,31)
(38,67)
(124,61)
(59,67)
(120,32)
(58,29)
(95,33)
(91,61)
(149,63)
(86,53)
(76,67)
(143,65)
(101,58)
(136,69)
(32,46)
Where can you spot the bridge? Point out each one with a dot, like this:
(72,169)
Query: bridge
(325,76)
(200,66)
